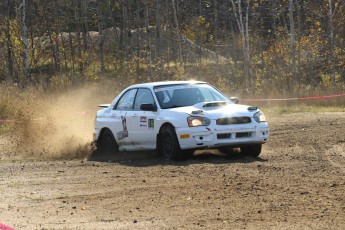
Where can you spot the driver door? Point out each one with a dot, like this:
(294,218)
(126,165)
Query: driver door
(141,124)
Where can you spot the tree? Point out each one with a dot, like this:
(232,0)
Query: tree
(158,39)
(292,43)
(9,16)
(215,33)
(25,43)
(331,11)
(148,38)
(242,18)
(178,32)
(101,40)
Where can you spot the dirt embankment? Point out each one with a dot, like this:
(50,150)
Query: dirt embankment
(297,183)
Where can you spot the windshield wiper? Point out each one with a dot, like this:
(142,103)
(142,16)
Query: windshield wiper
(173,106)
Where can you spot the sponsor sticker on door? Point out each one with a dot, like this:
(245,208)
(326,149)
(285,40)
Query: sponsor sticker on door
(151,123)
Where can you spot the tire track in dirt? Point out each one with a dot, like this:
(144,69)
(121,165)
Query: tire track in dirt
(336,156)
(297,183)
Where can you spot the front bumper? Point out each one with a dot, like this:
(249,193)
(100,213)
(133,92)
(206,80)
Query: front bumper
(217,136)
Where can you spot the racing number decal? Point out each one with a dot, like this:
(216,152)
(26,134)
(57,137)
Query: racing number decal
(124,133)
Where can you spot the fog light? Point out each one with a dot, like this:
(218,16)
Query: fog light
(184,136)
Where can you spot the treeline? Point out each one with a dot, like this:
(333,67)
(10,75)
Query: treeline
(266,45)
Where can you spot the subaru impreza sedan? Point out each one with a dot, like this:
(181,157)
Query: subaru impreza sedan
(177,117)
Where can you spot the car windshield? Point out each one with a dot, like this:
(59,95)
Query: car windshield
(172,96)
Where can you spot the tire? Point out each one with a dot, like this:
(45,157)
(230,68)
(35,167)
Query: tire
(188,153)
(252,150)
(107,144)
(169,146)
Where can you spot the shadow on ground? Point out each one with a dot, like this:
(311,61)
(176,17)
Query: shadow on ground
(150,158)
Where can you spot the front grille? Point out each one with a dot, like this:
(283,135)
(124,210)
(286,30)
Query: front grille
(224,135)
(233,120)
(245,134)
(236,135)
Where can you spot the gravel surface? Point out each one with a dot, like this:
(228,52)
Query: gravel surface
(298,182)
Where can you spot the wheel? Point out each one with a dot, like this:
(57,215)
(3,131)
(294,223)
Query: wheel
(188,153)
(252,150)
(107,143)
(170,148)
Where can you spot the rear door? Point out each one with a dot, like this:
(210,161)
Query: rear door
(119,119)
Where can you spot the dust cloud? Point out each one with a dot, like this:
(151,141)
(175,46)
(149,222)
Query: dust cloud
(54,125)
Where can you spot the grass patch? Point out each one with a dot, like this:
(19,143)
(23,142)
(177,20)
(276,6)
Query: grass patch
(278,110)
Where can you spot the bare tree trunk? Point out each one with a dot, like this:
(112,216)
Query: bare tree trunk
(84,24)
(292,44)
(342,43)
(64,49)
(215,32)
(148,40)
(51,41)
(125,28)
(299,35)
(198,34)
(101,41)
(52,46)
(331,38)
(25,42)
(233,46)
(71,48)
(158,39)
(57,45)
(179,37)
(244,30)
(9,16)
(138,40)
(273,15)
(9,51)
(77,22)
(263,42)
(247,49)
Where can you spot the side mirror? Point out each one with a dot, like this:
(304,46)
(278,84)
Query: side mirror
(234,100)
(148,107)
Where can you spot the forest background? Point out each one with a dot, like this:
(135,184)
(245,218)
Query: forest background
(248,48)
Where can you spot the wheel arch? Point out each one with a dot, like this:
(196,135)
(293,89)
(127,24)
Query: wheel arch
(165,124)
(105,140)
(102,131)
(158,137)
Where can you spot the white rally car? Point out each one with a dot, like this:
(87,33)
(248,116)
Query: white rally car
(177,117)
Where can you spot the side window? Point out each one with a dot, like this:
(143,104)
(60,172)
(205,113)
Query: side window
(144,96)
(164,96)
(126,101)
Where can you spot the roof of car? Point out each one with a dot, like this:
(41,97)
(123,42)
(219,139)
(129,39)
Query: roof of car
(162,83)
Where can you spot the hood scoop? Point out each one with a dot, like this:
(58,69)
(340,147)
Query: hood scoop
(198,112)
(252,108)
(215,104)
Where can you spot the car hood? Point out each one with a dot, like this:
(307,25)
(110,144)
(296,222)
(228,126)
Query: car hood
(215,110)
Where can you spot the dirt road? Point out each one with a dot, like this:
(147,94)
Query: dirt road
(297,183)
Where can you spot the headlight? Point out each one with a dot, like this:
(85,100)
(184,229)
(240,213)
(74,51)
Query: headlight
(259,117)
(198,121)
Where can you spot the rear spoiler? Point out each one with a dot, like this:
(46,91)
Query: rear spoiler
(103,105)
